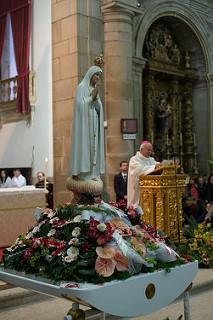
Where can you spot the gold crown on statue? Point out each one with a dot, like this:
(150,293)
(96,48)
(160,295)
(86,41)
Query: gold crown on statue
(99,61)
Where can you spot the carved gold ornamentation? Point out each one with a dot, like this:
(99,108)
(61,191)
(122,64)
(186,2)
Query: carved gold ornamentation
(99,61)
(167,107)
(161,200)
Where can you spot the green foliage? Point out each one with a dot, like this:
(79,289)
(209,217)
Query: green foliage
(43,251)
(199,243)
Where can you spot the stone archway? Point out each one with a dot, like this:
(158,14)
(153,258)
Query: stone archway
(190,33)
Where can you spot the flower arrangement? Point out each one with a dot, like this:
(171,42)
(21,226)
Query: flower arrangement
(200,245)
(95,243)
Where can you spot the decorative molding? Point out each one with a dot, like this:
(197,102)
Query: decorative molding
(182,11)
(121,4)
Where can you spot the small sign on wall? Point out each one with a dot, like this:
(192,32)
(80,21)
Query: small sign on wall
(129,129)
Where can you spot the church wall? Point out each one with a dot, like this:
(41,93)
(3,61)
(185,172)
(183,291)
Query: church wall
(83,29)
(77,40)
(18,139)
(200,103)
(199,18)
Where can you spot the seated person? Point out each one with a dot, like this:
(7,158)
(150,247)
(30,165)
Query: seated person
(201,187)
(49,186)
(120,182)
(5,180)
(209,213)
(209,189)
(40,179)
(193,205)
(18,179)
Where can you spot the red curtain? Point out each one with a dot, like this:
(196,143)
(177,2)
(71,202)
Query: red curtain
(20,12)
(4,7)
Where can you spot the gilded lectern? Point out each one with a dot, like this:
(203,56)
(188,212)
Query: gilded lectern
(161,199)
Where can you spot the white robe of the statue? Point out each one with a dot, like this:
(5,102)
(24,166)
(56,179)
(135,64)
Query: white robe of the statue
(138,165)
(87,151)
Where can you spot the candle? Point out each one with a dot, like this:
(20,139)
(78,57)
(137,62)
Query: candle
(194,140)
(167,139)
(152,137)
(181,140)
(45,172)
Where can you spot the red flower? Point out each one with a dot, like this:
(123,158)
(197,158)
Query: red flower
(58,223)
(122,204)
(187,257)
(60,248)
(72,285)
(85,246)
(28,253)
(93,232)
(131,212)
(102,239)
(114,204)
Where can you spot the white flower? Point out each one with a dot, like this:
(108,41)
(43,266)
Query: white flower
(51,214)
(29,235)
(101,227)
(51,232)
(13,247)
(74,241)
(36,243)
(41,223)
(19,241)
(72,250)
(76,232)
(68,259)
(54,219)
(48,258)
(72,254)
(77,218)
(68,221)
(35,230)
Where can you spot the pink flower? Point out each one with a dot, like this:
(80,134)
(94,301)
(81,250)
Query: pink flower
(102,239)
(121,261)
(105,267)
(108,259)
(36,242)
(28,253)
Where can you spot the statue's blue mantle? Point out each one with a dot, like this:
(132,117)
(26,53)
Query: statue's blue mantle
(126,298)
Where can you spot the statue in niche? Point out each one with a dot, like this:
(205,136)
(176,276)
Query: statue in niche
(176,56)
(163,121)
(160,45)
(150,45)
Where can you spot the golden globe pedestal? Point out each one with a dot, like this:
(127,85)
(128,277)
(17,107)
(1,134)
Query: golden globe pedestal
(161,200)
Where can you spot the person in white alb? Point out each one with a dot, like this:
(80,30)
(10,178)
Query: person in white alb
(18,180)
(140,164)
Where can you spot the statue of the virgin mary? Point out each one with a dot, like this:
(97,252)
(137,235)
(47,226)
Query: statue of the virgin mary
(87,162)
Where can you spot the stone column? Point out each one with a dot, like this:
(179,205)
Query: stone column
(138,67)
(118,86)
(210,114)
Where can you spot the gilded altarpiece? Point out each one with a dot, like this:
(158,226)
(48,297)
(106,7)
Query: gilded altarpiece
(167,105)
(161,201)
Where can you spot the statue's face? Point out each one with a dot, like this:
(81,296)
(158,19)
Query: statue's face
(95,79)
